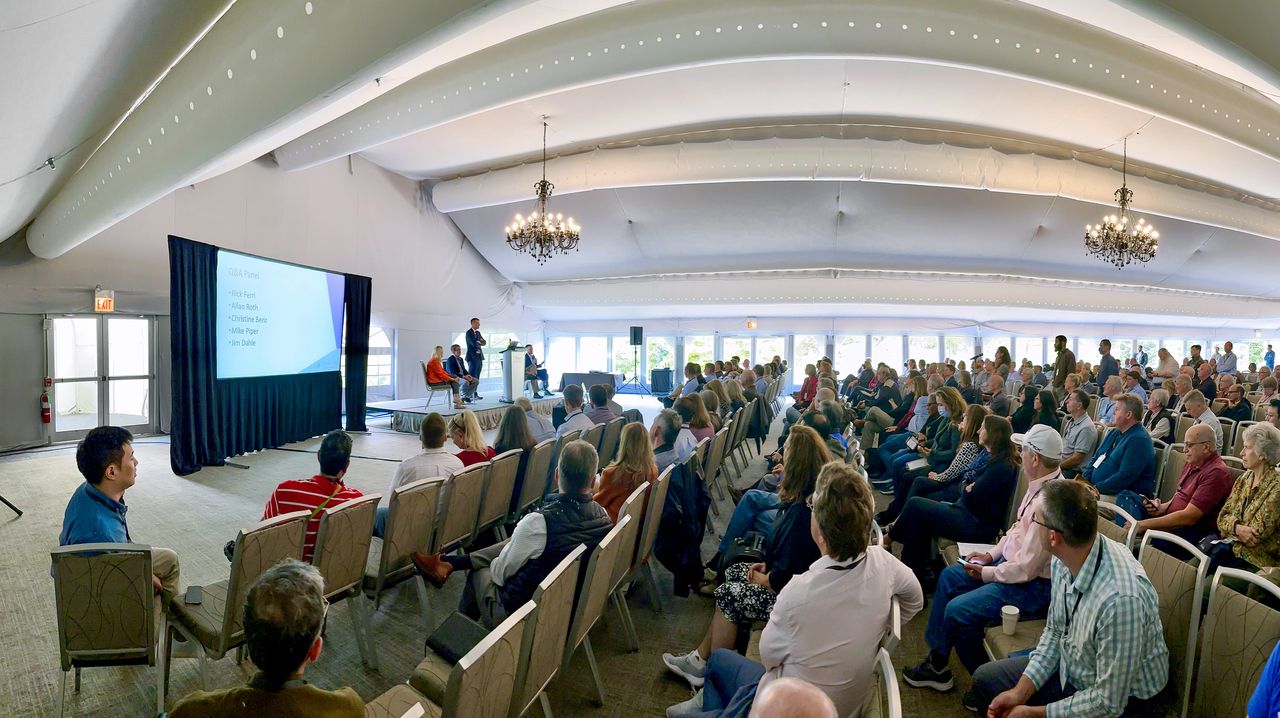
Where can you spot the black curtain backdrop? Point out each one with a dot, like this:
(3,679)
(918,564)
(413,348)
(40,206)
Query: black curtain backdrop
(214,419)
(359,295)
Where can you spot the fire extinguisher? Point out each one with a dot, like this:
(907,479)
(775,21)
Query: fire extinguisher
(46,413)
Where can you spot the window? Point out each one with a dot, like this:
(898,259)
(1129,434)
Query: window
(661,353)
(495,341)
(561,357)
(736,346)
(851,351)
(960,349)
(887,349)
(918,348)
(593,353)
(1031,348)
(380,364)
(1252,354)
(625,357)
(769,347)
(1087,350)
(992,342)
(1176,347)
(808,349)
(699,349)
(1150,346)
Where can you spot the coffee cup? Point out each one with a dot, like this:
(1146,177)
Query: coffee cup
(1009,619)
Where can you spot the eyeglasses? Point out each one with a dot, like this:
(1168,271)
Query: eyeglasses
(1047,526)
(1190,444)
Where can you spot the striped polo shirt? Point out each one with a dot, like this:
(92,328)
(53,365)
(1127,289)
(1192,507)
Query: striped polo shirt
(306,495)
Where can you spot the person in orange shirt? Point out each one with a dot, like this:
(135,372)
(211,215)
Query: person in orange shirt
(437,375)
(634,466)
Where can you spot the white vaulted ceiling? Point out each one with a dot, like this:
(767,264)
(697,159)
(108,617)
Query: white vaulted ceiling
(954,149)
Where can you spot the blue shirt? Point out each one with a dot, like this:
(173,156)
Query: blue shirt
(1227,364)
(1265,702)
(1270,359)
(1107,367)
(93,517)
(1123,461)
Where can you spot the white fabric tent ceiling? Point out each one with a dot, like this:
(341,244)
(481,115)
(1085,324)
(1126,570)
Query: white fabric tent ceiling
(1019,105)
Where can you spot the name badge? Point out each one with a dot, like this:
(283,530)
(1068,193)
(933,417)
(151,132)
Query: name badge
(1098,461)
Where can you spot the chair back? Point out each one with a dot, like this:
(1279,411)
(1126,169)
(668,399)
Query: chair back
(1174,462)
(536,470)
(496,502)
(609,442)
(410,527)
(1162,451)
(595,587)
(1107,526)
(1237,446)
(1101,430)
(700,452)
(1239,634)
(1228,434)
(256,550)
(1179,588)
(342,544)
(715,455)
(481,684)
(594,436)
(653,516)
(463,494)
(884,700)
(1092,411)
(1217,405)
(893,636)
(89,577)
(1015,500)
(633,507)
(546,635)
(1184,423)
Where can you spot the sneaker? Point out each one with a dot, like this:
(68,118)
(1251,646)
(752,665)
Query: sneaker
(433,568)
(689,666)
(969,701)
(885,490)
(926,676)
(693,706)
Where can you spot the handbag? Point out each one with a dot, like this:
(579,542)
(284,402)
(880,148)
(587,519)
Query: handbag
(748,548)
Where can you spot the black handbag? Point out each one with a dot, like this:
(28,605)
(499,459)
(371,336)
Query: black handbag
(748,548)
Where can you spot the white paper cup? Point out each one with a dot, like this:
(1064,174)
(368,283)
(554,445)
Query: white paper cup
(1009,619)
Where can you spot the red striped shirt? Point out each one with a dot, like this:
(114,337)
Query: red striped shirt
(306,495)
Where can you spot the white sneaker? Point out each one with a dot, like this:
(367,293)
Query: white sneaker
(689,666)
(693,706)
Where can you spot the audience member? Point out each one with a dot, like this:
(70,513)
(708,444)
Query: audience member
(1238,408)
(467,435)
(997,402)
(633,466)
(970,460)
(540,427)
(736,398)
(1102,651)
(691,384)
(663,436)
(1079,435)
(322,491)
(1167,368)
(1126,458)
(575,419)
(1107,406)
(456,367)
(436,376)
(1265,702)
(1227,362)
(1204,382)
(711,403)
(609,391)
(1271,414)
(824,625)
(513,433)
(503,576)
(434,460)
(1062,366)
(793,698)
(96,511)
(1268,388)
(1251,510)
(1203,487)
(284,619)
(1046,406)
(694,415)
(1025,415)
(599,411)
(1198,408)
(1159,422)
(1182,386)
(877,420)
(1133,385)
(1015,572)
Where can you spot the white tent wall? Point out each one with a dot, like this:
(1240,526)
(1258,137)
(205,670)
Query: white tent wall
(346,215)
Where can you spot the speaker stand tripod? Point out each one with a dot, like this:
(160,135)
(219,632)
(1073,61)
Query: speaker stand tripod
(16,510)
(635,382)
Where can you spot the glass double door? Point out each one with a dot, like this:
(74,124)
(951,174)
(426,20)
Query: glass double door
(102,372)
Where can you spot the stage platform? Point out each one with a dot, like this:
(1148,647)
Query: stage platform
(407,414)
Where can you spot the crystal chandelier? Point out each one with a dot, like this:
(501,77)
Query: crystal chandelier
(543,234)
(1118,240)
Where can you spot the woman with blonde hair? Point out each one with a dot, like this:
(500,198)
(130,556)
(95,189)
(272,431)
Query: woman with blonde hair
(633,466)
(717,387)
(464,429)
(436,376)
(712,404)
(737,400)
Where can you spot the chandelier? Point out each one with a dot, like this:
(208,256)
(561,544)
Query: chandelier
(543,234)
(1117,239)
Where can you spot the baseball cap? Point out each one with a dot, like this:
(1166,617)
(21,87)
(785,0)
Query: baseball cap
(1042,440)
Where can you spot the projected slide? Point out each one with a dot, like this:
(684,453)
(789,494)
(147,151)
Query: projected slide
(275,318)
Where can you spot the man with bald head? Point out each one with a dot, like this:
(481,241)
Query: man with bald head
(1203,487)
(792,698)
(1204,381)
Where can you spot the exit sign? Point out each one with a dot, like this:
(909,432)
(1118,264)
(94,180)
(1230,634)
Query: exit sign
(104,300)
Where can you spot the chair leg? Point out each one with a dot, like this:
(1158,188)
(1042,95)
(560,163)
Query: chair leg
(364,641)
(655,599)
(162,665)
(620,601)
(62,696)
(77,669)
(546,705)
(204,669)
(595,669)
(421,584)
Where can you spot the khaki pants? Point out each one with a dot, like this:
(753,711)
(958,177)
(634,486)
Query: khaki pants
(164,566)
(876,422)
(480,597)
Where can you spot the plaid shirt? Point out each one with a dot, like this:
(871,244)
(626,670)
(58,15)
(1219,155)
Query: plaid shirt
(1115,648)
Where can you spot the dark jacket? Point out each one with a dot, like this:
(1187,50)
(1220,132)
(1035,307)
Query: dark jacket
(1240,412)
(1208,388)
(1150,421)
(906,404)
(945,443)
(684,520)
(992,490)
(887,396)
(474,343)
(454,366)
(789,548)
(572,520)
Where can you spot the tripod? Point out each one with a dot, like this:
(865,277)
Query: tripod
(16,510)
(635,382)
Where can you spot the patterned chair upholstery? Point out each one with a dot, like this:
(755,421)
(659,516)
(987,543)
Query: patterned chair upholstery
(400,700)
(643,562)
(1239,634)
(462,507)
(711,467)
(217,622)
(87,578)
(547,635)
(341,554)
(591,600)
(624,565)
(1174,461)
(496,502)
(594,436)
(1179,588)
(411,522)
(1108,527)
(536,470)
(609,442)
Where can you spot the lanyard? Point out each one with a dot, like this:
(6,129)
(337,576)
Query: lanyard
(849,567)
(1074,609)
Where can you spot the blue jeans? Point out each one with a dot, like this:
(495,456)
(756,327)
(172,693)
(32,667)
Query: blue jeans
(754,512)
(997,677)
(890,445)
(897,464)
(380,522)
(730,686)
(963,607)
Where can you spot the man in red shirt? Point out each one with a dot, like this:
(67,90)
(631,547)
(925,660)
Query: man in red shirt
(318,492)
(1203,487)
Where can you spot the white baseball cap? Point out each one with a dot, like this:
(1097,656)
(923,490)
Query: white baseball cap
(1042,439)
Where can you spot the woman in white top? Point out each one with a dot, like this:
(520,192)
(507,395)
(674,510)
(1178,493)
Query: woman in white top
(1168,366)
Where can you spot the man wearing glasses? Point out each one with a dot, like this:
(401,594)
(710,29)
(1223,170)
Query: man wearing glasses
(1238,408)
(1203,487)
(1102,652)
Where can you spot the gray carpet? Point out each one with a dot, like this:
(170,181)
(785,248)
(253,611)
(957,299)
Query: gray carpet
(195,515)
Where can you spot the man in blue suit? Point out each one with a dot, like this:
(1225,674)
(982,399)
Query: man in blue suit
(533,371)
(458,370)
(475,355)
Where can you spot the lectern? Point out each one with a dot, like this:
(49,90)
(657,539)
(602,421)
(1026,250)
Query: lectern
(512,373)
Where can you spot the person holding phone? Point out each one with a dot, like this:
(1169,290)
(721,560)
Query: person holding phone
(1203,487)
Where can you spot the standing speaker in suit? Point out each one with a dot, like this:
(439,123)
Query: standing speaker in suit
(475,355)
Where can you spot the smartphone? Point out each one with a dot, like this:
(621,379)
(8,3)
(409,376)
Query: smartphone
(195,595)
(966,562)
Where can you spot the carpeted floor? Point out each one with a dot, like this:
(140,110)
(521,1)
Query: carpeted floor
(195,515)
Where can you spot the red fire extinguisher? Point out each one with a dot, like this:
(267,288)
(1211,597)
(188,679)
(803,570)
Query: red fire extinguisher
(46,413)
